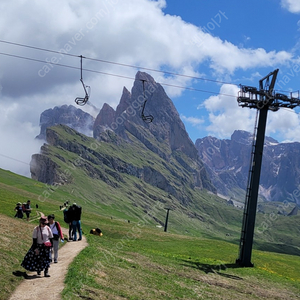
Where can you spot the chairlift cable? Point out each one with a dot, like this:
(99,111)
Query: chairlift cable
(116,63)
(117,75)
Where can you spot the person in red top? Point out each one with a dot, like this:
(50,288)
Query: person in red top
(37,258)
(57,235)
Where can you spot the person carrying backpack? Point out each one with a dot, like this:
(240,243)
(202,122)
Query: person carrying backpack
(75,214)
(57,235)
(68,220)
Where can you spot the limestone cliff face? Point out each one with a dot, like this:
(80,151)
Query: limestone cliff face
(164,136)
(44,169)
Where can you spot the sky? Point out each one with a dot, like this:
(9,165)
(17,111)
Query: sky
(200,51)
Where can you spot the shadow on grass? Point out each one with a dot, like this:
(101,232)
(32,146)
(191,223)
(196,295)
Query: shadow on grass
(216,269)
(25,275)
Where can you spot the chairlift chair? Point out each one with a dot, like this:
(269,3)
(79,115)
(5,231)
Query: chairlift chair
(148,118)
(87,89)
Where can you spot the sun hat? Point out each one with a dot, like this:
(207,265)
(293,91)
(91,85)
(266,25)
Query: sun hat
(43,219)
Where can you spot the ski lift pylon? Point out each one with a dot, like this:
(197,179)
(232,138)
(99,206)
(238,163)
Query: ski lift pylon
(79,100)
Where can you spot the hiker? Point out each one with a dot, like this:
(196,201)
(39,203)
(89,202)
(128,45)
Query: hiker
(75,215)
(68,220)
(57,235)
(19,211)
(38,256)
(27,209)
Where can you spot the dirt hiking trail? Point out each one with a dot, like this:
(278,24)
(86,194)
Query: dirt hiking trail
(35,286)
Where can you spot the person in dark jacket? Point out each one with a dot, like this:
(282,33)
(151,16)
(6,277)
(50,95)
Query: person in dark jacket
(27,209)
(75,215)
(68,220)
(19,211)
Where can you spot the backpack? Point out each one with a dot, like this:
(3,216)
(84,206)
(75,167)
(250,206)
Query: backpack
(66,218)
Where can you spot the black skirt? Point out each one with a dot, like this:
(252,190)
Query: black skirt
(38,263)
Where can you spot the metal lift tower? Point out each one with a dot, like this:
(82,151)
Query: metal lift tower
(263,99)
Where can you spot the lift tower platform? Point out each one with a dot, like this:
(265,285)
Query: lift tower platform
(262,99)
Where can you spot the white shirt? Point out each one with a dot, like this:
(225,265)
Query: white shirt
(42,234)
(53,228)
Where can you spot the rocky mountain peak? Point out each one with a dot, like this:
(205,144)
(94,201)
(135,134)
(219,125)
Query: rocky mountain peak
(242,137)
(246,138)
(165,135)
(68,115)
(105,118)
(166,128)
(124,102)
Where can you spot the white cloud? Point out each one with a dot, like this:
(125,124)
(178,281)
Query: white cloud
(286,123)
(110,30)
(291,5)
(194,121)
(225,115)
(17,139)
(131,32)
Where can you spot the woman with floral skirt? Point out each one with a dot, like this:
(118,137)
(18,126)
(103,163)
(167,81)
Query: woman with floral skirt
(37,258)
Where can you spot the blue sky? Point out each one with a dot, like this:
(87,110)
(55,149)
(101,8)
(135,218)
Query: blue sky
(226,42)
(272,26)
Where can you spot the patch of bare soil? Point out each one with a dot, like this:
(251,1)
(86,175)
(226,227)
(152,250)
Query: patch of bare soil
(35,287)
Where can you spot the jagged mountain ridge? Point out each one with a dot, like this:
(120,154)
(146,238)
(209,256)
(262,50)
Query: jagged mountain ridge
(177,167)
(228,161)
(167,127)
(67,115)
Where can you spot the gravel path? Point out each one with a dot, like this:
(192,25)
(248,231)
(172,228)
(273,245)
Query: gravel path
(38,287)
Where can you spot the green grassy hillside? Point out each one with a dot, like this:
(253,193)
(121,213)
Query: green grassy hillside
(195,259)
(106,177)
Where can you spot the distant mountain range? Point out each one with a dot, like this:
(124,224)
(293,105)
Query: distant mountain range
(228,162)
(220,166)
